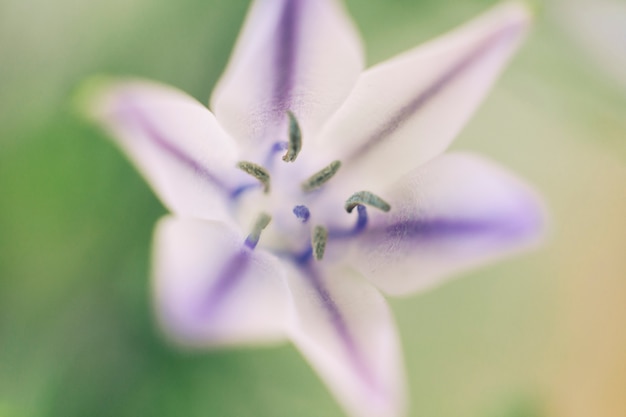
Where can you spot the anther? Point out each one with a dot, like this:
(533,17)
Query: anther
(258,172)
(261,223)
(365,197)
(320,178)
(318,242)
(295,139)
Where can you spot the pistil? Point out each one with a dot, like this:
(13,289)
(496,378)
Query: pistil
(302,212)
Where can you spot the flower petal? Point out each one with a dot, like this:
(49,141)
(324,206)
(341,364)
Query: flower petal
(408,109)
(210,289)
(343,326)
(175,142)
(455,212)
(297,55)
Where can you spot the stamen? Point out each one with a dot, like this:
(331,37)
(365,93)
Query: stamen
(261,223)
(365,197)
(321,177)
(361,224)
(295,139)
(276,148)
(318,241)
(302,212)
(258,172)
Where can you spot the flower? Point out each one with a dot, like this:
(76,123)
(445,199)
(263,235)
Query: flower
(312,185)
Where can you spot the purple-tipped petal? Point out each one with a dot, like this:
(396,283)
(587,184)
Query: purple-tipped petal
(174,141)
(212,290)
(343,327)
(456,212)
(292,55)
(408,109)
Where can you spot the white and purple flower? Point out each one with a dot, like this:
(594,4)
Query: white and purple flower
(313,184)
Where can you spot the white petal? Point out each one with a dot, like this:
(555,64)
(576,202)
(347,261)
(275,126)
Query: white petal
(210,289)
(298,55)
(174,141)
(408,109)
(343,326)
(455,212)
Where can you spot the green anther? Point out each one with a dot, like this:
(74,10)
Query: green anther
(295,139)
(367,198)
(261,223)
(257,172)
(318,241)
(320,178)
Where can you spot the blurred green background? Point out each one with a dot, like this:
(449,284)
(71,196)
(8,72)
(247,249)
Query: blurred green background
(541,335)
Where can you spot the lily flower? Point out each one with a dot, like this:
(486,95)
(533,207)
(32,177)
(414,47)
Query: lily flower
(313,184)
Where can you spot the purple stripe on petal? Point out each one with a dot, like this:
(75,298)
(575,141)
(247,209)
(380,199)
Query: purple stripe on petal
(227,280)
(340,326)
(497,229)
(425,96)
(132,115)
(437,227)
(285,59)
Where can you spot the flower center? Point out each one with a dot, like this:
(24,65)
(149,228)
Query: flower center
(292,207)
